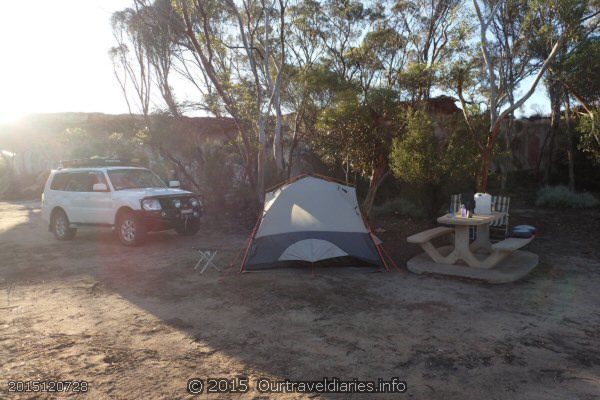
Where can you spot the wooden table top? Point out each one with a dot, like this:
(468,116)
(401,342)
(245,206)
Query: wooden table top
(474,220)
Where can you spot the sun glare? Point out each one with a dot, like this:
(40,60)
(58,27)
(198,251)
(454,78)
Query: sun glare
(59,62)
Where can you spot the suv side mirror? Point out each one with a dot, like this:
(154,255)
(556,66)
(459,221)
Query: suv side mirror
(174,184)
(100,187)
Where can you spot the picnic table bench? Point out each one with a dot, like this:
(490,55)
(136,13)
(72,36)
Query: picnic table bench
(428,235)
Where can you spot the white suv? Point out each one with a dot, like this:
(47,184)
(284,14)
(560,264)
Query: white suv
(132,200)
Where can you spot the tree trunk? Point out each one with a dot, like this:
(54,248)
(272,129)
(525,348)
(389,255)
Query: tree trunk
(347,168)
(293,143)
(570,152)
(260,165)
(484,172)
(506,159)
(380,172)
(538,165)
(167,95)
(555,100)
(277,140)
(486,159)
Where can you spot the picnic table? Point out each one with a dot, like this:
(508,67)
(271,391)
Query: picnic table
(480,254)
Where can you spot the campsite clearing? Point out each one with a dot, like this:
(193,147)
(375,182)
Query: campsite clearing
(140,322)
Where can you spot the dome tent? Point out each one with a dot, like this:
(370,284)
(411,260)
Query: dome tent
(308,220)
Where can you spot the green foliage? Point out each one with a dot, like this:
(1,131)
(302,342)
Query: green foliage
(422,156)
(357,131)
(580,71)
(350,69)
(398,206)
(561,197)
(589,141)
(216,175)
(439,165)
(414,156)
(84,144)
(417,79)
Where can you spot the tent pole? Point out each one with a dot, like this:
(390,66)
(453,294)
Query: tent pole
(381,256)
(286,182)
(298,177)
(390,258)
(366,222)
(249,242)
(232,263)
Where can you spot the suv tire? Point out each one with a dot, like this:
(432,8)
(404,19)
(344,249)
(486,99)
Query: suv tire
(60,226)
(130,229)
(189,229)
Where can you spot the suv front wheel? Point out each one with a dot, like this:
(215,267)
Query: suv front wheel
(130,229)
(60,226)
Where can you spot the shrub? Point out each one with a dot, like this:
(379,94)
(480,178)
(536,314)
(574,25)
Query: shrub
(590,131)
(438,165)
(217,175)
(398,206)
(561,196)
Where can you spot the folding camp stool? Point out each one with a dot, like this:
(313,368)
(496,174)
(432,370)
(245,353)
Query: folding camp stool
(206,257)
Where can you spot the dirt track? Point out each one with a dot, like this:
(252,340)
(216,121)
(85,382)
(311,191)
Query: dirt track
(138,323)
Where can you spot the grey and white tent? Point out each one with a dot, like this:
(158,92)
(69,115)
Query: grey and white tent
(309,220)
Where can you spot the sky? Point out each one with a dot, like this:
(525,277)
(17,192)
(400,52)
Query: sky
(54,58)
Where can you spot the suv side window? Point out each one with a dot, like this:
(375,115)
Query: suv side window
(84,181)
(97,177)
(59,181)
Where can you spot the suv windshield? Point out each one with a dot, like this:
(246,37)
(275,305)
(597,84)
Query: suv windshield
(134,179)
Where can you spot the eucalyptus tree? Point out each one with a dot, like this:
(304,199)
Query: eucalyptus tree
(131,64)
(510,32)
(579,75)
(379,56)
(239,48)
(157,31)
(576,20)
(434,31)
(491,87)
(363,55)
(142,60)
(341,25)
(301,88)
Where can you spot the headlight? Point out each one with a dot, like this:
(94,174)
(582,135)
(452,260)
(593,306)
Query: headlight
(151,205)
(177,203)
(194,202)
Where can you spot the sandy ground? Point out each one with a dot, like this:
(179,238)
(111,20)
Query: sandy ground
(140,322)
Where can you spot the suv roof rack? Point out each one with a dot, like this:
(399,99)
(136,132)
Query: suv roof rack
(100,162)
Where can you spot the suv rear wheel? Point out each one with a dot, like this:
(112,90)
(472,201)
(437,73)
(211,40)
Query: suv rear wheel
(60,226)
(130,229)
